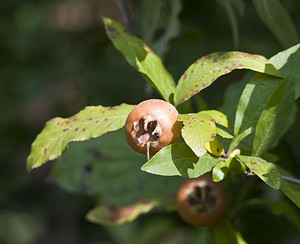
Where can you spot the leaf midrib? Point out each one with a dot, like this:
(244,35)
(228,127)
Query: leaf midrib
(206,70)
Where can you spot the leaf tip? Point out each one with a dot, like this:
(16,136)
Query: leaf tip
(105,19)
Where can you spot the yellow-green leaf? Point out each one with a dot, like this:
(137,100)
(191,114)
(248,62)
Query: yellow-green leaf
(207,69)
(141,57)
(93,121)
(266,171)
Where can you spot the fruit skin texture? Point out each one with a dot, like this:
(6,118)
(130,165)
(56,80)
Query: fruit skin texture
(199,209)
(154,122)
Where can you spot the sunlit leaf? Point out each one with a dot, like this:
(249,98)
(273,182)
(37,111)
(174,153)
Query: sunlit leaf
(260,89)
(223,133)
(93,121)
(141,57)
(214,147)
(179,159)
(232,95)
(264,170)
(253,101)
(220,171)
(198,129)
(275,119)
(288,63)
(207,69)
(216,117)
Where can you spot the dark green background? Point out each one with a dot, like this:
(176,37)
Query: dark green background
(55,60)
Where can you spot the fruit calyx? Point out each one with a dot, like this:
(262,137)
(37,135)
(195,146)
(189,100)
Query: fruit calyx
(201,201)
(146,131)
(202,198)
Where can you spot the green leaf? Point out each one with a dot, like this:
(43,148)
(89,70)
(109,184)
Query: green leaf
(216,117)
(171,26)
(207,69)
(253,101)
(232,95)
(227,4)
(159,17)
(239,6)
(236,166)
(237,139)
(222,168)
(275,119)
(93,121)
(179,159)
(113,215)
(277,19)
(149,21)
(266,171)
(219,172)
(288,63)
(223,133)
(225,233)
(197,130)
(292,191)
(108,168)
(141,57)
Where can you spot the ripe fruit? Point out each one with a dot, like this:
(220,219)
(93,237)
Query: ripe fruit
(201,201)
(152,125)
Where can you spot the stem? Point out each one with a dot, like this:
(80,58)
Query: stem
(291,179)
(148,150)
(126,15)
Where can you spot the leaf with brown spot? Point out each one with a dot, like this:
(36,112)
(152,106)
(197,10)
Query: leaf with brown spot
(217,117)
(114,215)
(58,132)
(142,58)
(208,68)
(266,171)
(198,132)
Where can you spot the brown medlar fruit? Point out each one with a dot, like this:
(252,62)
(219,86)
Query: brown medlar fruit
(152,125)
(201,201)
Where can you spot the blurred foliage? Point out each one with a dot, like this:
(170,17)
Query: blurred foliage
(56,59)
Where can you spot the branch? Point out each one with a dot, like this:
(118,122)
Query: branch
(126,15)
(291,179)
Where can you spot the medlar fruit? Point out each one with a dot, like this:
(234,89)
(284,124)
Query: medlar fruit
(201,201)
(152,125)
